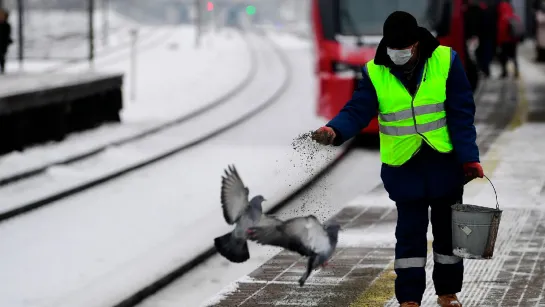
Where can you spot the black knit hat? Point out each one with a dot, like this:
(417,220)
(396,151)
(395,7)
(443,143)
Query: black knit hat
(400,30)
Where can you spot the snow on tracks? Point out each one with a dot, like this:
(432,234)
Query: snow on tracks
(100,164)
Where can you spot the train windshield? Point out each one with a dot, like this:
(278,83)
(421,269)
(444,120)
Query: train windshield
(366,17)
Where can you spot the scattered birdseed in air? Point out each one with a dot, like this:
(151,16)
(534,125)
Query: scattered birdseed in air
(313,158)
(312,153)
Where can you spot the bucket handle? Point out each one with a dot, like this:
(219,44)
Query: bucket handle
(495,193)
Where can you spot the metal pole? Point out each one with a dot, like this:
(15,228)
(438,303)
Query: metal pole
(198,26)
(134,39)
(20,34)
(105,21)
(91,32)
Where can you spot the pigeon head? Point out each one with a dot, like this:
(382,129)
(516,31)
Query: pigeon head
(257,201)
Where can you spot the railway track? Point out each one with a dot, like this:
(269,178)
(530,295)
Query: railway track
(113,56)
(33,171)
(83,172)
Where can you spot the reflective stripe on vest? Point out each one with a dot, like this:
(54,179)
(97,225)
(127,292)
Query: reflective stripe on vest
(406,114)
(405,120)
(409,130)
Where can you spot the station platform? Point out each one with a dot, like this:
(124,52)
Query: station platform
(37,108)
(361,270)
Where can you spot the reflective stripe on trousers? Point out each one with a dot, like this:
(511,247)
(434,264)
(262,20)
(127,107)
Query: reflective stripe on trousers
(444,259)
(405,263)
(410,130)
(420,262)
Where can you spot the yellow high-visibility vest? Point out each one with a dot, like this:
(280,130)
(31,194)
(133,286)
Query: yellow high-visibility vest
(404,120)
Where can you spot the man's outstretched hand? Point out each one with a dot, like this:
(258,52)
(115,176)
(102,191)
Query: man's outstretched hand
(324,135)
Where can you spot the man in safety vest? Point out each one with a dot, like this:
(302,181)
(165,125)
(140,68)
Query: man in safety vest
(427,147)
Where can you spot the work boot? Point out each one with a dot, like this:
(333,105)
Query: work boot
(448,300)
(409,304)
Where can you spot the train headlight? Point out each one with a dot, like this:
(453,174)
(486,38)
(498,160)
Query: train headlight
(347,70)
(341,67)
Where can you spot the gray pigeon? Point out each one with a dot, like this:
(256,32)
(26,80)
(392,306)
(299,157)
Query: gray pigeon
(241,212)
(304,235)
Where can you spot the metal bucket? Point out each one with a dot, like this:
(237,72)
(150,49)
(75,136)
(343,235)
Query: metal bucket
(474,229)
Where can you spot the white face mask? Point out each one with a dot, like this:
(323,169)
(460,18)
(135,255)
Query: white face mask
(400,57)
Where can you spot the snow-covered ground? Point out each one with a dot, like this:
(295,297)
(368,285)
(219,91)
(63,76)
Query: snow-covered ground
(100,246)
(173,78)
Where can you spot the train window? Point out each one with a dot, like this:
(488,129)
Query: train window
(326,9)
(366,17)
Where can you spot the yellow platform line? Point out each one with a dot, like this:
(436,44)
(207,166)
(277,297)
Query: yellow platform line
(381,290)
(521,111)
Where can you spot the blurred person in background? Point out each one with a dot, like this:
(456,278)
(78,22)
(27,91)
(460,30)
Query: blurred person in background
(539,8)
(510,33)
(483,26)
(5,38)
(472,31)
(427,147)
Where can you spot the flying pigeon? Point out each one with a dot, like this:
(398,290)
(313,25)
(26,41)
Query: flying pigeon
(304,235)
(241,212)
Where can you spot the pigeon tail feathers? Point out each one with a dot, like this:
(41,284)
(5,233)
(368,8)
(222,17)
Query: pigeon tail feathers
(233,249)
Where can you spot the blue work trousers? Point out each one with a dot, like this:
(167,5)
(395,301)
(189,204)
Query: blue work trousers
(412,243)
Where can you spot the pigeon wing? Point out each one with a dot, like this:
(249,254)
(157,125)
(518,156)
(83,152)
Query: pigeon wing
(280,235)
(267,234)
(234,195)
(309,232)
(268,220)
